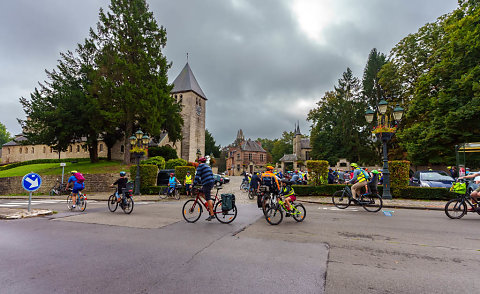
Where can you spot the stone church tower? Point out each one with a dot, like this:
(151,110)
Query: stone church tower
(187,91)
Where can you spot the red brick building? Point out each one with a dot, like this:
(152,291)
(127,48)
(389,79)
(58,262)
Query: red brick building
(245,156)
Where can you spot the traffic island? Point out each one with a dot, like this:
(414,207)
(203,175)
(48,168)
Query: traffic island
(17,213)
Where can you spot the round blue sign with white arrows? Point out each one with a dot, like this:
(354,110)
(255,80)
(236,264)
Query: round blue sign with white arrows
(31,182)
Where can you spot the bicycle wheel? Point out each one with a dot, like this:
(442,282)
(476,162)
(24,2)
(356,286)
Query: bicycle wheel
(266,203)
(112,203)
(372,203)
(192,210)
(69,202)
(177,194)
(299,212)
(128,206)
(225,217)
(82,203)
(455,208)
(52,192)
(340,199)
(274,215)
(163,193)
(251,195)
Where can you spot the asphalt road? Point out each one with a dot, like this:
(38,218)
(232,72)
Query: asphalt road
(154,250)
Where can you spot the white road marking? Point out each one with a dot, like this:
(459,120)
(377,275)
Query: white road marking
(338,209)
(37,202)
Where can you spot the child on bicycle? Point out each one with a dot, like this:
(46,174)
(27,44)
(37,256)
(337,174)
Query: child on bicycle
(289,194)
(172,183)
(121,184)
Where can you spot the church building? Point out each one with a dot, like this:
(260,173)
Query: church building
(301,151)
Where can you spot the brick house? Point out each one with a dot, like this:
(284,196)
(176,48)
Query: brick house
(245,156)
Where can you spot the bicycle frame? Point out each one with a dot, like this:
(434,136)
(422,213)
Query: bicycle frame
(200,197)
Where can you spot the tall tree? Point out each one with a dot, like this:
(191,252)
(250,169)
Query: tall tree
(282,146)
(371,88)
(210,147)
(133,70)
(4,135)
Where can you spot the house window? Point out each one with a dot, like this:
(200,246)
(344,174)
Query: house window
(122,148)
(33,150)
(8,150)
(51,150)
(44,149)
(78,148)
(238,156)
(26,150)
(261,157)
(70,148)
(250,156)
(307,155)
(101,147)
(21,150)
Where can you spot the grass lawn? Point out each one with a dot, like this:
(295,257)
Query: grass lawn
(85,167)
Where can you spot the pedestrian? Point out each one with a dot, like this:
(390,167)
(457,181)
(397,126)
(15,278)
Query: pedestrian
(188,183)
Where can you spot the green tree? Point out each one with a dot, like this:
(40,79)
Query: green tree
(133,71)
(210,147)
(282,146)
(166,152)
(371,88)
(4,135)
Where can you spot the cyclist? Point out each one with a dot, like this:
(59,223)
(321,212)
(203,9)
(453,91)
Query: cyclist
(172,183)
(188,183)
(359,178)
(76,186)
(204,176)
(121,184)
(269,179)
(372,184)
(475,194)
(289,194)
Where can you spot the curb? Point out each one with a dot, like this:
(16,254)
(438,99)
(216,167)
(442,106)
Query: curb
(21,213)
(384,206)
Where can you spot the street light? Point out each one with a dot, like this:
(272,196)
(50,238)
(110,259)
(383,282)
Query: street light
(384,131)
(139,142)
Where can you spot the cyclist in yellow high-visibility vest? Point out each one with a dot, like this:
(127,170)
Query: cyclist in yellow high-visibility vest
(359,178)
(188,183)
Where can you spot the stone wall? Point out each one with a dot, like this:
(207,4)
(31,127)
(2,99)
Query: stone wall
(93,183)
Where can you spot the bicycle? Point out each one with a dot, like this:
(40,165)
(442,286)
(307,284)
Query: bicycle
(126,203)
(81,202)
(252,193)
(58,189)
(192,209)
(274,214)
(244,186)
(370,202)
(169,192)
(457,208)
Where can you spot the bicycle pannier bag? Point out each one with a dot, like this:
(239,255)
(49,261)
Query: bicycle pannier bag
(79,177)
(228,200)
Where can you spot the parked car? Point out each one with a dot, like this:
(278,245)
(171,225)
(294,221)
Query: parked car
(219,180)
(225,179)
(432,178)
(163,176)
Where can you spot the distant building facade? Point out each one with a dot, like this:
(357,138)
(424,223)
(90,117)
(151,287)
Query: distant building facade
(301,151)
(245,156)
(186,91)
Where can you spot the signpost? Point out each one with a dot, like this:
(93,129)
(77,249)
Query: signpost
(63,164)
(31,182)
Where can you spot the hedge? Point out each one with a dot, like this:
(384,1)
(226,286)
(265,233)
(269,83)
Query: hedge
(157,160)
(181,172)
(35,161)
(399,175)
(148,174)
(172,163)
(317,171)
(421,193)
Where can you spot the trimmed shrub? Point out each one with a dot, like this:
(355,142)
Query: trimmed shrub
(157,160)
(181,172)
(151,190)
(148,174)
(166,152)
(399,175)
(317,171)
(172,163)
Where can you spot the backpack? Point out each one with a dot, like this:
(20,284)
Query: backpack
(79,177)
(367,176)
(267,181)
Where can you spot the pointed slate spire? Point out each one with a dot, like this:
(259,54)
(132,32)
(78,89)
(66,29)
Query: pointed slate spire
(297,131)
(186,81)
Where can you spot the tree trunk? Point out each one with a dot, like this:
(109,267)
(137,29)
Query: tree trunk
(109,153)
(128,133)
(93,151)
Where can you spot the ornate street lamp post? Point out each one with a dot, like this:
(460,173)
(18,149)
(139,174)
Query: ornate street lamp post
(139,142)
(384,130)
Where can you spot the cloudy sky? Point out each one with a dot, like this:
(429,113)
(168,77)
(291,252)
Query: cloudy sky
(262,63)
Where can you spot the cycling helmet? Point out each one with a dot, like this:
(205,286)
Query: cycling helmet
(269,167)
(375,171)
(73,172)
(171,174)
(122,173)
(353,164)
(202,159)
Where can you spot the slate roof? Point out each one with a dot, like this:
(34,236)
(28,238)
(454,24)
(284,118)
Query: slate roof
(289,158)
(305,143)
(186,81)
(253,146)
(15,142)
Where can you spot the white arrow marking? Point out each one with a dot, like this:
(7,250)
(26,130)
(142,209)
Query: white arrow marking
(33,183)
